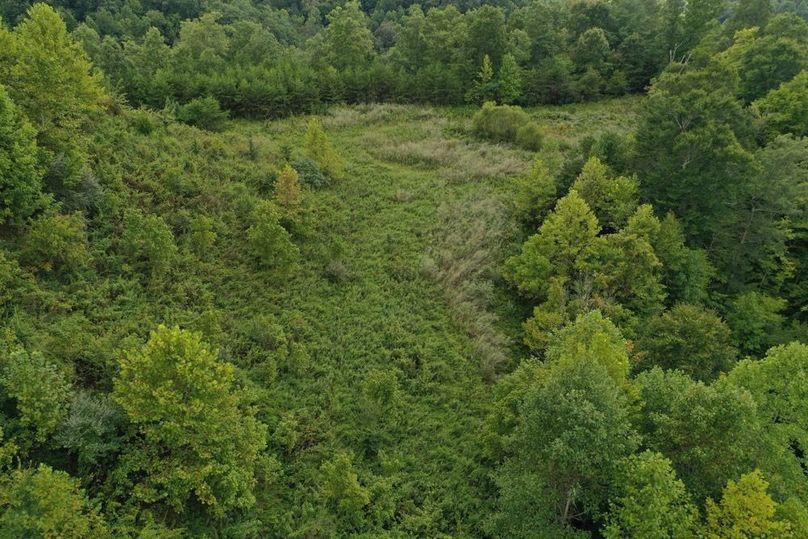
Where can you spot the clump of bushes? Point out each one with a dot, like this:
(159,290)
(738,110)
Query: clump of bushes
(55,242)
(310,173)
(141,121)
(530,136)
(204,113)
(507,123)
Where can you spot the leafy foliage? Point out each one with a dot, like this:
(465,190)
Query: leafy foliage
(47,503)
(197,436)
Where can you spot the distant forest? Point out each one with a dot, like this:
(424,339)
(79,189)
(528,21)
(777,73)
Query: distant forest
(260,59)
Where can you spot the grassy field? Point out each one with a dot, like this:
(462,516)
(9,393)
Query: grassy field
(403,308)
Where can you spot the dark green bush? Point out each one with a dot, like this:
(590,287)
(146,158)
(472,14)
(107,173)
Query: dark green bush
(141,121)
(310,173)
(203,112)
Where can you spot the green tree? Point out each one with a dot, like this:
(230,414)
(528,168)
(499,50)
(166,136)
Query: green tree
(767,62)
(746,511)
(650,501)
(196,436)
(340,486)
(573,431)
(710,433)
(612,199)
(755,244)
(536,193)
(204,113)
(148,243)
(686,272)
(44,503)
(688,338)
(623,275)
(269,241)
(487,35)
(287,190)
(55,242)
(756,320)
(320,150)
(594,337)
(562,238)
(20,173)
(699,18)
(39,390)
(690,147)
(777,382)
(751,13)
(202,47)
(52,81)
(591,50)
(509,84)
(348,41)
(484,89)
(785,109)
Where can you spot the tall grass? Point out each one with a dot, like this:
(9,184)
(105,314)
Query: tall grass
(455,160)
(462,260)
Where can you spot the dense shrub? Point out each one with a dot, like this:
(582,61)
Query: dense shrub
(55,242)
(499,122)
(530,136)
(148,243)
(310,173)
(203,112)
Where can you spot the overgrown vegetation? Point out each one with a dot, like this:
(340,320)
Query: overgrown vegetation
(481,321)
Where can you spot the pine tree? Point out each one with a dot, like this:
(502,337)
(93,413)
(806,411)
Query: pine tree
(287,191)
(485,87)
(321,151)
(510,80)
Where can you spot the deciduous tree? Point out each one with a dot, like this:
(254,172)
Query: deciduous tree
(196,437)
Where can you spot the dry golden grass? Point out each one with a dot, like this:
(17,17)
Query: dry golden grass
(376,114)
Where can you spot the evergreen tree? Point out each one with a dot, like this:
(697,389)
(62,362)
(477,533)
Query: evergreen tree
(566,233)
(320,150)
(509,85)
(287,190)
(612,199)
(484,88)
(536,193)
